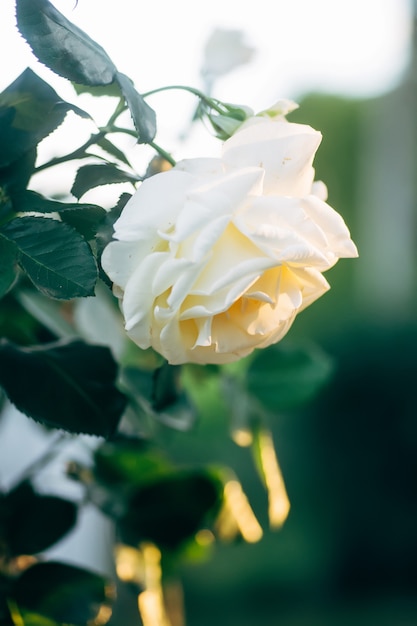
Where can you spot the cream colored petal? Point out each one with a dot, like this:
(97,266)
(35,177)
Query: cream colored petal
(340,245)
(319,189)
(233,257)
(201,166)
(138,300)
(279,227)
(284,150)
(312,283)
(175,341)
(155,206)
(198,246)
(120,259)
(202,305)
(216,199)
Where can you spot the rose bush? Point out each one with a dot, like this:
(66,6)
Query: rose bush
(216,257)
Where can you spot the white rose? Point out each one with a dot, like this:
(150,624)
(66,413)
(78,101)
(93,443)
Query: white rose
(216,257)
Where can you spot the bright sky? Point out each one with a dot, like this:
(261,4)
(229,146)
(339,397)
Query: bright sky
(356,47)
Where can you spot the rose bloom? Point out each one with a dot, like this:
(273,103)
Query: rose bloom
(216,257)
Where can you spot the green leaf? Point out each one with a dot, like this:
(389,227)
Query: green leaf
(160,395)
(143,116)
(8,264)
(129,462)
(83,217)
(56,258)
(29,618)
(171,404)
(69,385)
(14,179)
(63,593)
(34,522)
(113,150)
(284,376)
(110,90)
(166,387)
(62,46)
(29,111)
(46,311)
(169,511)
(90,176)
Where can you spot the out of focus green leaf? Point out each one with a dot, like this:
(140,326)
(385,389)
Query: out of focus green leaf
(46,311)
(14,179)
(62,46)
(171,510)
(64,385)
(29,111)
(166,386)
(34,522)
(90,176)
(131,462)
(8,265)
(64,593)
(284,376)
(161,396)
(29,618)
(56,258)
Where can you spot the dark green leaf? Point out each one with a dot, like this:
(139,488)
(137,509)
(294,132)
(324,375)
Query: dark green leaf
(8,265)
(64,385)
(109,147)
(86,219)
(169,400)
(34,522)
(90,176)
(62,46)
(29,111)
(110,90)
(166,387)
(14,179)
(144,117)
(129,462)
(283,377)
(18,324)
(171,510)
(29,618)
(83,217)
(161,396)
(56,258)
(64,593)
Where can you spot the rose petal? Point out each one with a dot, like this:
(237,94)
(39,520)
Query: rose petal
(284,150)
(155,206)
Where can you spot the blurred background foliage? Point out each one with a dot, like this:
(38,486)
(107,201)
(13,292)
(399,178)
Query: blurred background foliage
(348,551)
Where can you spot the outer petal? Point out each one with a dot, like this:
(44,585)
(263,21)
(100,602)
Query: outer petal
(284,150)
(155,206)
(339,243)
(280,227)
